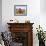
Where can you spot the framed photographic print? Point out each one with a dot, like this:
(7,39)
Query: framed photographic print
(20,10)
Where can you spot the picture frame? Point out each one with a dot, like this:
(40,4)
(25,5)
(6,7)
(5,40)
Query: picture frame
(20,10)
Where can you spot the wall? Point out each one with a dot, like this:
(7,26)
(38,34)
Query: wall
(0,15)
(33,10)
(34,14)
(43,14)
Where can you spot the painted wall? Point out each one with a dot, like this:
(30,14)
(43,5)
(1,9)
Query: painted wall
(33,10)
(43,14)
(34,14)
(0,15)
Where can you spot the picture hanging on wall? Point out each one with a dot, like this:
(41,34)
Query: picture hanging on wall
(20,10)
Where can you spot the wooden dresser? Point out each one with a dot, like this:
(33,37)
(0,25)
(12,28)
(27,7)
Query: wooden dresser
(22,33)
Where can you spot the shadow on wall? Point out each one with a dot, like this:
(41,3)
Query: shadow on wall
(0,15)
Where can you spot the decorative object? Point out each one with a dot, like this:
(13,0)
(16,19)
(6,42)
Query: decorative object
(20,10)
(41,36)
(13,21)
(27,21)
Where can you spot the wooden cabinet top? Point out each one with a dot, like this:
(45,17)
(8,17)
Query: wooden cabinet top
(17,27)
(20,23)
